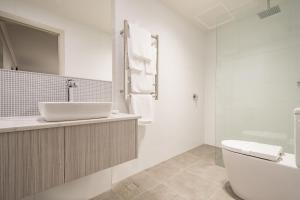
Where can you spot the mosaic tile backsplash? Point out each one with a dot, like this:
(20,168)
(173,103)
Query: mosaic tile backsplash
(21,91)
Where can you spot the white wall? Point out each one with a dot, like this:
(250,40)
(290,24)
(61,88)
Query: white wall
(178,123)
(88,51)
(210,87)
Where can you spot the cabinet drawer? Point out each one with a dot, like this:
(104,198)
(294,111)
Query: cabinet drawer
(36,161)
(87,150)
(4,179)
(123,138)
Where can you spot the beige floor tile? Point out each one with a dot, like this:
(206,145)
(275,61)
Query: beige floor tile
(163,171)
(227,187)
(134,186)
(224,193)
(190,176)
(206,148)
(221,195)
(205,153)
(184,160)
(219,157)
(191,186)
(107,196)
(160,192)
(144,180)
(209,171)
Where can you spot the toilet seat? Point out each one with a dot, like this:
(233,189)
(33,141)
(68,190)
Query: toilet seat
(263,151)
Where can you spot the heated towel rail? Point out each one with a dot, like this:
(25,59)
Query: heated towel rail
(127,82)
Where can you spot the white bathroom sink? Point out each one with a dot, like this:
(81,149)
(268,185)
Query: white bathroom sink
(66,111)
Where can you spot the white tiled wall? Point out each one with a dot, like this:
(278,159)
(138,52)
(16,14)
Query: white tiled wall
(21,91)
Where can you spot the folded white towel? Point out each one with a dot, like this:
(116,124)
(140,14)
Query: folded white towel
(135,63)
(141,82)
(140,42)
(151,66)
(142,105)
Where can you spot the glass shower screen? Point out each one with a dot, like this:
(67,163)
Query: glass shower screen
(257,76)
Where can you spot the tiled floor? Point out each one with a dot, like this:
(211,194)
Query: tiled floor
(190,176)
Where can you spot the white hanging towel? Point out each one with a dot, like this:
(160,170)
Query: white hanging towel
(142,82)
(135,64)
(140,43)
(151,66)
(142,105)
(141,65)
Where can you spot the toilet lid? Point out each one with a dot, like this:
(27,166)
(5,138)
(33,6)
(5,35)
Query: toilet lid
(264,151)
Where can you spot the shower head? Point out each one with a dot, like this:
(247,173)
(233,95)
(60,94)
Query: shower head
(270,10)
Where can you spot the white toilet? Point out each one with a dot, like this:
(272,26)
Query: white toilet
(262,172)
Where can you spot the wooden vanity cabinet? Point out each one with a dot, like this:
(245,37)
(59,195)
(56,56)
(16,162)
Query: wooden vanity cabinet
(4,166)
(34,161)
(87,150)
(92,148)
(123,141)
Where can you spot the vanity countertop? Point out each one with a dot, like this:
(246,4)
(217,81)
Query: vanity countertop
(12,124)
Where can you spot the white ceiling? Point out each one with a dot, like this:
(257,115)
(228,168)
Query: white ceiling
(208,14)
(95,13)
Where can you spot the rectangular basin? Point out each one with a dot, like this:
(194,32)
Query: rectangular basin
(67,111)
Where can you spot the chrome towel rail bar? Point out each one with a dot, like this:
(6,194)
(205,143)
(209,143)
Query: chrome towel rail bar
(126,90)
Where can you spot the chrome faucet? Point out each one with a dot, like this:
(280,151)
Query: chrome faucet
(70,84)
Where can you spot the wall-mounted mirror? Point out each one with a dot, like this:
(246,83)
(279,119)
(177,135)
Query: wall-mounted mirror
(65,38)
